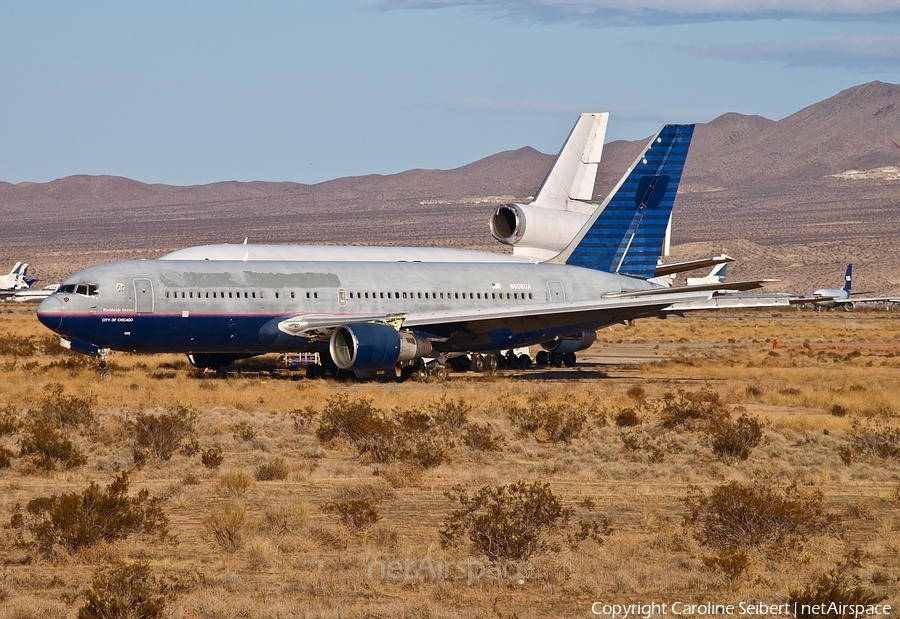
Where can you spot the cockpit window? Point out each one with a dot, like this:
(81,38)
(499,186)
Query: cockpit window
(89,290)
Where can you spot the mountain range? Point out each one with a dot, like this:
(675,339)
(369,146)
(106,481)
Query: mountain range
(788,198)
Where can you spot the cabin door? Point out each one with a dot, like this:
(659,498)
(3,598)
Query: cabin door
(556,292)
(143,296)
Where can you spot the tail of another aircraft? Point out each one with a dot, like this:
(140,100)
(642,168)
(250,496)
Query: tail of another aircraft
(848,279)
(542,228)
(627,232)
(716,276)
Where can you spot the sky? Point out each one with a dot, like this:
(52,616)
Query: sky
(195,92)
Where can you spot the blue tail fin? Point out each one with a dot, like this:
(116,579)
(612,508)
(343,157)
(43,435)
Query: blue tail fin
(627,232)
(848,278)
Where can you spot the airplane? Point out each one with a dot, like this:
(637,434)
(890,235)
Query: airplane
(16,280)
(536,231)
(831,298)
(367,316)
(34,294)
(716,275)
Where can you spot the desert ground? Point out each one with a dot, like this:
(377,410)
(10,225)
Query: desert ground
(263,499)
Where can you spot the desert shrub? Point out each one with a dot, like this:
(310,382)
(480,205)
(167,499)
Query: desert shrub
(687,408)
(563,421)
(654,446)
(16,346)
(730,563)
(243,430)
(512,522)
(211,458)
(828,589)
(6,457)
(302,419)
(285,518)
(450,415)
(352,420)
(526,421)
(271,471)
(234,483)
(551,421)
(228,527)
(875,441)
(627,417)
(407,436)
(125,591)
(838,410)
(64,411)
(355,514)
(481,437)
(737,515)
(10,423)
(637,393)
(77,520)
(72,362)
(736,439)
(162,434)
(46,446)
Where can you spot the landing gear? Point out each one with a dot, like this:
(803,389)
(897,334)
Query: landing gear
(556,359)
(103,364)
(542,359)
(569,359)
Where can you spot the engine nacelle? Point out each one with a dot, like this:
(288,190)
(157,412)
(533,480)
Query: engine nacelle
(529,226)
(372,346)
(583,340)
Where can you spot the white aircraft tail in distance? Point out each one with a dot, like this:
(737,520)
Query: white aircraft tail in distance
(843,297)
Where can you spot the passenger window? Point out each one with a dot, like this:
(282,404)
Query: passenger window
(315,295)
(253,294)
(229,295)
(292,294)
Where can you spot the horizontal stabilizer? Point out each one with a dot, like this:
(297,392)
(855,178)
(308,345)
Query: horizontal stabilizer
(690,265)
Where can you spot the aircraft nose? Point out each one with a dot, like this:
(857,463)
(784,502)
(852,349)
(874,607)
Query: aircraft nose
(49,312)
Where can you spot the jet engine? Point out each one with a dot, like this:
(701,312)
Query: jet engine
(526,226)
(573,343)
(373,346)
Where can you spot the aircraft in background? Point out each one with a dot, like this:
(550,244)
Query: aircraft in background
(35,294)
(717,275)
(368,315)
(830,298)
(537,231)
(16,280)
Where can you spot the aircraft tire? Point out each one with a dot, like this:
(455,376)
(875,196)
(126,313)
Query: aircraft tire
(477,363)
(556,359)
(441,373)
(569,359)
(542,359)
(512,362)
(491,363)
(524,361)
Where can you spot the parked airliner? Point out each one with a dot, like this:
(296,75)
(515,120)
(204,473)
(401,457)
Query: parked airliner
(370,315)
(843,297)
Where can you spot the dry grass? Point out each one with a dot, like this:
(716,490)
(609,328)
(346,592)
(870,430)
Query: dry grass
(284,556)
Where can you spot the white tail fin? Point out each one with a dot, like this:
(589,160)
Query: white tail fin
(572,177)
(544,227)
(716,276)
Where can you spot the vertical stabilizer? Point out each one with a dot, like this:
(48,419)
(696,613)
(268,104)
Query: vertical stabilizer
(572,177)
(848,279)
(626,234)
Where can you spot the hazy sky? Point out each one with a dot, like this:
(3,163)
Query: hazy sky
(196,92)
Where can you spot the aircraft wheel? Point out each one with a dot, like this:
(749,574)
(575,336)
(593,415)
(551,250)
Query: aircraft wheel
(556,359)
(542,359)
(849,307)
(441,372)
(512,362)
(569,359)
(477,363)
(459,364)
(105,375)
(501,362)
(491,363)
(524,361)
